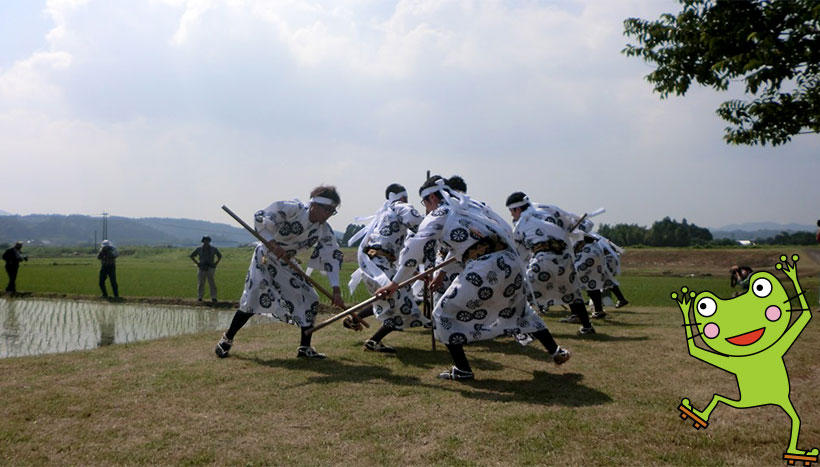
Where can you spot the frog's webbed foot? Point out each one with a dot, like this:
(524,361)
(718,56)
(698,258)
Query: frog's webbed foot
(789,268)
(683,300)
(804,457)
(686,411)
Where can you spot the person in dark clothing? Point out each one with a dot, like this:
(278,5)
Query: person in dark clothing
(739,278)
(108,269)
(207,267)
(13,257)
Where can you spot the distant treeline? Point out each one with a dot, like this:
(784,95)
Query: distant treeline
(669,232)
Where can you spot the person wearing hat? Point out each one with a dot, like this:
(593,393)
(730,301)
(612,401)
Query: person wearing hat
(108,269)
(13,257)
(203,257)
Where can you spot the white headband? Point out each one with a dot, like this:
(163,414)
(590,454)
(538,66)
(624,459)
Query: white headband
(518,204)
(394,196)
(322,200)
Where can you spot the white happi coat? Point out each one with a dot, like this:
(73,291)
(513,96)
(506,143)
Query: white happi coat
(487,299)
(561,218)
(552,275)
(272,287)
(591,264)
(386,232)
(612,261)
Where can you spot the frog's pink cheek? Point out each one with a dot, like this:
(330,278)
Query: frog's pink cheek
(711,330)
(773,313)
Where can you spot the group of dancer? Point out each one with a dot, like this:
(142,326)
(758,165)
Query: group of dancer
(489,279)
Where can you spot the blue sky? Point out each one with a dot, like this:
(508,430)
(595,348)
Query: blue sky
(174,107)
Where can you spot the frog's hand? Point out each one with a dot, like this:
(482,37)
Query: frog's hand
(804,312)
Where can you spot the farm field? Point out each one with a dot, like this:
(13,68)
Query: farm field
(171,401)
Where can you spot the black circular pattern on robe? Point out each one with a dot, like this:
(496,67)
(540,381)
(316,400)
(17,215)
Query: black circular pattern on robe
(265,300)
(561,270)
(608,283)
(473,304)
(397,322)
(552,219)
(458,235)
(600,270)
(296,228)
(414,213)
(464,315)
(584,279)
(430,250)
(507,313)
(592,284)
(438,212)
(543,276)
(485,293)
(284,230)
(272,270)
(294,282)
(568,298)
(407,306)
(259,216)
(445,323)
(518,281)
(572,276)
(338,255)
(328,267)
(589,261)
(385,231)
(582,267)
(474,279)
(315,253)
(457,338)
(475,235)
(411,263)
(510,291)
(535,268)
(288,305)
(480,314)
(395,226)
(453,293)
(492,277)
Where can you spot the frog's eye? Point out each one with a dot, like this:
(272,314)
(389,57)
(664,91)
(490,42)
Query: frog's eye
(762,287)
(706,306)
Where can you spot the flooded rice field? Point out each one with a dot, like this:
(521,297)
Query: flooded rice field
(37,326)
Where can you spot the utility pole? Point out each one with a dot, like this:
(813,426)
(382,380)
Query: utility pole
(105,226)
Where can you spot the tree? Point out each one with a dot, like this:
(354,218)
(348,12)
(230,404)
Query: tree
(349,232)
(773,46)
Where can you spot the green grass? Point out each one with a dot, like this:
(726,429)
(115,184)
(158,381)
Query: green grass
(170,401)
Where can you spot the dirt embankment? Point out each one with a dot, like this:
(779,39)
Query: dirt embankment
(714,261)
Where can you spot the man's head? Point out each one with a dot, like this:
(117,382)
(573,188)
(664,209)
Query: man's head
(396,192)
(457,183)
(430,193)
(517,203)
(206,240)
(323,203)
(106,243)
(18,245)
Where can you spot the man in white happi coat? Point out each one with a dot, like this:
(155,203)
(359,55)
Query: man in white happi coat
(272,286)
(612,260)
(547,250)
(487,299)
(382,239)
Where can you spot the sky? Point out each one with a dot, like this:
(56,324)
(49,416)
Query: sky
(172,108)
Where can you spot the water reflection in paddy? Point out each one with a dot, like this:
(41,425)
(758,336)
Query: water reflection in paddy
(33,327)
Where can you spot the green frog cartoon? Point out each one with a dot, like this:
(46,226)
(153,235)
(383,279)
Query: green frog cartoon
(748,336)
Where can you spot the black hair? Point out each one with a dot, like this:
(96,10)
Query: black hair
(457,183)
(517,197)
(393,188)
(432,181)
(328,192)
(818,222)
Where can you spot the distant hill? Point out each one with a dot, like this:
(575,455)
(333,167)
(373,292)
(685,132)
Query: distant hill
(59,230)
(758,230)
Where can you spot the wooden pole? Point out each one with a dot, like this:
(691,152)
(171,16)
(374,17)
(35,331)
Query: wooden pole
(294,267)
(372,299)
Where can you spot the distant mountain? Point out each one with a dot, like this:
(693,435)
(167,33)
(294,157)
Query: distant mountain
(758,230)
(52,229)
(4,213)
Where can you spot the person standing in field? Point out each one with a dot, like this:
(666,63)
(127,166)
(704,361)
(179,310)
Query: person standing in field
(108,267)
(203,256)
(487,299)
(381,242)
(272,286)
(13,257)
(547,251)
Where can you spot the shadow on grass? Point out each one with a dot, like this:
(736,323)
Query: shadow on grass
(602,336)
(544,388)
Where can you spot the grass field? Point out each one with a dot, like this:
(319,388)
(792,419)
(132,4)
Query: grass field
(171,401)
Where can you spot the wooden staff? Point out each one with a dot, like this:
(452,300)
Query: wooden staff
(289,262)
(372,299)
(428,311)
